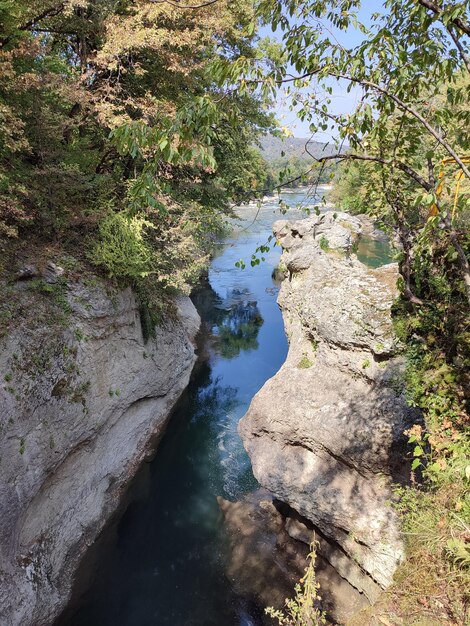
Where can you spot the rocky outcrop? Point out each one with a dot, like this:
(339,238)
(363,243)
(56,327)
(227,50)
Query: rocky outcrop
(325,435)
(269,556)
(83,400)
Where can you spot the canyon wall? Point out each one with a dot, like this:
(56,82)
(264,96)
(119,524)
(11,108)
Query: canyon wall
(326,434)
(83,400)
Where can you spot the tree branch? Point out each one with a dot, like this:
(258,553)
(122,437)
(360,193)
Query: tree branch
(437,10)
(402,105)
(185,6)
(409,171)
(50,12)
(414,113)
(460,48)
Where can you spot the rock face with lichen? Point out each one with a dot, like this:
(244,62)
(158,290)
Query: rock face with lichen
(83,400)
(325,434)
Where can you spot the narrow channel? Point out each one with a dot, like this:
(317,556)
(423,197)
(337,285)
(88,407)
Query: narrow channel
(165,562)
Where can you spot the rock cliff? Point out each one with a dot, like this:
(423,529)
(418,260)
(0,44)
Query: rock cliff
(325,434)
(83,400)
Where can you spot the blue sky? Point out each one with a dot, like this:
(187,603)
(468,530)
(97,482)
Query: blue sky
(342,101)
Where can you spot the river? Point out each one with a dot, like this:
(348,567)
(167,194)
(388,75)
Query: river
(164,562)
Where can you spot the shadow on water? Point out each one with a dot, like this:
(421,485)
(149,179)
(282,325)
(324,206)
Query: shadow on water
(163,560)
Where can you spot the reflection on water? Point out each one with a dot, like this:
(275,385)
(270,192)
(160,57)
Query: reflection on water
(374,252)
(232,323)
(239,330)
(166,561)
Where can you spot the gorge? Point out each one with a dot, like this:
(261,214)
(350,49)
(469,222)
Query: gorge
(171,534)
(219,406)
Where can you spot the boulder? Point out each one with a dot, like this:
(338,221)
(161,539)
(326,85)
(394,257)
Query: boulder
(326,434)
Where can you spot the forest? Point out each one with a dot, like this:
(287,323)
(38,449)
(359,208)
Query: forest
(115,131)
(130,131)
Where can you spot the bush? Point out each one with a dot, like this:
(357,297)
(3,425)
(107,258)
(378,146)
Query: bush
(121,247)
(302,610)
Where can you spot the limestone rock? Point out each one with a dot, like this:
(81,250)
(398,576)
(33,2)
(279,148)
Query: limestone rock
(27,272)
(52,272)
(82,402)
(325,434)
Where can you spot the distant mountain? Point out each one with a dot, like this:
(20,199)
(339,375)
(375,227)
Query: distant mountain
(272,148)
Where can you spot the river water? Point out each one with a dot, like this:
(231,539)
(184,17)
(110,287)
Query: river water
(164,562)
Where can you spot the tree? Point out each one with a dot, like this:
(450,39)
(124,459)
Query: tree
(407,57)
(110,108)
(405,148)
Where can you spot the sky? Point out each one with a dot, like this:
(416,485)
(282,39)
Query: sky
(342,101)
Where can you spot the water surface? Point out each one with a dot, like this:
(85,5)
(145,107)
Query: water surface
(164,563)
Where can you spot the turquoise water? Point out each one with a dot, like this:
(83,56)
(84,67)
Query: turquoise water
(374,252)
(164,562)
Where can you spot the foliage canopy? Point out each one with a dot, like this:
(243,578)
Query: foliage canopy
(110,117)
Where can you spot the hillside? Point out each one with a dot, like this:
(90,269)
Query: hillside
(288,160)
(272,148)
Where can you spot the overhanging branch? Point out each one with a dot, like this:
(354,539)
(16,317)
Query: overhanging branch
(50,12)
(437,10)
(400,103)
(185,6)
(406,169)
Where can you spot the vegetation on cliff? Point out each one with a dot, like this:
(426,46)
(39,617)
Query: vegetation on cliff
(116,142)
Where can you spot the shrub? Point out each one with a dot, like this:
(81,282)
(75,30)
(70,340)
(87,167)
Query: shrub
(302,610)
(324,243)
(121,247)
